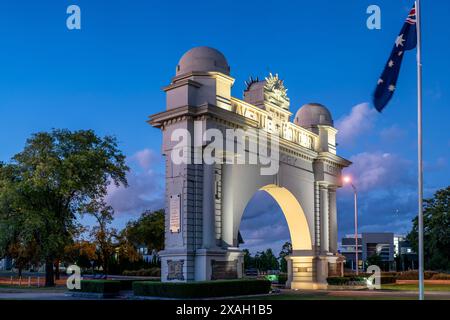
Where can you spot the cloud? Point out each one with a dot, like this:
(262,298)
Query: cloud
(437,165)
(386,185)
(145,158)
(360,120)
(387,194)
(145,186)
(392,133)
(381,170)
(263,224)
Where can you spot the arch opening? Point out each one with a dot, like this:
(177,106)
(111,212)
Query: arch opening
(294,215)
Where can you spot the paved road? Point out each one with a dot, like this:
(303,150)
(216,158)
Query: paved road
(376,294)
(60,294)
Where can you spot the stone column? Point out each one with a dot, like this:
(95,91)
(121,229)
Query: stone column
(209,226)
(324,220)
(333,220)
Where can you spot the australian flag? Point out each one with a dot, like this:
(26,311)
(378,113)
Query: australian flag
(407,40)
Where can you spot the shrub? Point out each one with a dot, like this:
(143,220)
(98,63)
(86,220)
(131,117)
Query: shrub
(127,284)
(387,279)
(345,281)
(440,276)
(100,286)
(152,272)
(204,289)
(282,278)
(414,275)
(388,273)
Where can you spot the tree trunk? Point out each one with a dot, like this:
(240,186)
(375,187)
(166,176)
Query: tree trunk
(49,275)
(105,269)
(57,273)
(20,272)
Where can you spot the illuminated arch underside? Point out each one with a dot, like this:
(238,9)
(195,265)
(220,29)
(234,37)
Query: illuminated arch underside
(295,216)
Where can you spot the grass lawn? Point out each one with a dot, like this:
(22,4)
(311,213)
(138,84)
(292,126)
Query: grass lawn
(5,287)
(320,296)
(415,287)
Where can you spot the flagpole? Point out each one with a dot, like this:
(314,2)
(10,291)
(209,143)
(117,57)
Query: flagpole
(420,150)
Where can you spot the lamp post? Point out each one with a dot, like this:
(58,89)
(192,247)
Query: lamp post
(348,180)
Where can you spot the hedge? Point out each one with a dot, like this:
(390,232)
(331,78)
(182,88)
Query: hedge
(414,275)
(441,276)
(152,272)
(345,281)
(99,286)
(388,279)
(203,289)
(127,284)
(282,278)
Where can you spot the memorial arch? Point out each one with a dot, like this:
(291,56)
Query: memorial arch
(205,201)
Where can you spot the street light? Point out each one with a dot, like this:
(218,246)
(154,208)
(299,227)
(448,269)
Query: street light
(348,180)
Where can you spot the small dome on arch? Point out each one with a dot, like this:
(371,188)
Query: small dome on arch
(313,114)
(203,59)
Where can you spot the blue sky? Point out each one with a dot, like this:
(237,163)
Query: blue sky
(108,77)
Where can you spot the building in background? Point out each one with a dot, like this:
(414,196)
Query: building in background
(378,248)
(373,248)
(5,264)
(407,258)
(347,249)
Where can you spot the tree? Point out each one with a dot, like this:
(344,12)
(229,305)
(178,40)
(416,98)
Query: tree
(15,244)
(266,260)
(147,231)
(286,250)
(249,261)
(436,231)
(105,238)
(375,260)
(52,180)
(80,251)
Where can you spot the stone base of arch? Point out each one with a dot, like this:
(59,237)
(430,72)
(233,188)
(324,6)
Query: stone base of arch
(308,272)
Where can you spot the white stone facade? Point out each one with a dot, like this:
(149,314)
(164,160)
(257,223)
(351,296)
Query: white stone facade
(213,197)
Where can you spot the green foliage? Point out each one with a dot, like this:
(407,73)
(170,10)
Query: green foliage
(436,218)
(100,286)
(388,279)
(441,276)
(248,259)
(127,284)
(375,260)
(263,261)
(58,175)
(147,231)
(344,281)
(152,272)
(202,289)
(414,275)
(286,250)
(282,278)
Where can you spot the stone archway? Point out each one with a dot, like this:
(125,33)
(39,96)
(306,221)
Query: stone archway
(302,265)
(205,201)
